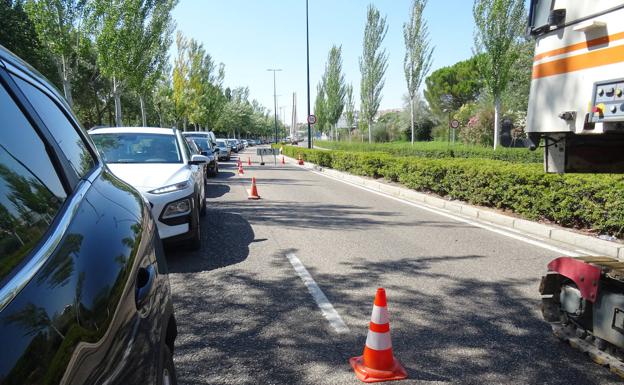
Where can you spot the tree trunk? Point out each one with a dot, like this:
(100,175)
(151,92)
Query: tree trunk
(66,82)
(496,120)
(370,132)
(117,97)
(412,117)
(143,117)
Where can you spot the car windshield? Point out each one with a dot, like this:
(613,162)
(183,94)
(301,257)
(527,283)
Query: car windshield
(138,148)
(221,144)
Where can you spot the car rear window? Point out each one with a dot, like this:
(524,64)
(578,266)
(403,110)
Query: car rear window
(137,148)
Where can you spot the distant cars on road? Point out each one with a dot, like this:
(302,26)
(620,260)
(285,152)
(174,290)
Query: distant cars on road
(159,163)
(84,291)
(233,144)
(225,151)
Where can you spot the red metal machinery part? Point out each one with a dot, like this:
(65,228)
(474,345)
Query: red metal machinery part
(585,276)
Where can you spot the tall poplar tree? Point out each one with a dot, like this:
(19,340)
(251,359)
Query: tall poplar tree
(500,27)
(334,89)
(418,53)
(373,65)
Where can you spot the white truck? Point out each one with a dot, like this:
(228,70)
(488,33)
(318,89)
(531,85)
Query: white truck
(576,108)
(576,103)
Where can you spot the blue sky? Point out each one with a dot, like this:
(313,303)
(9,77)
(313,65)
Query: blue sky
(249,36)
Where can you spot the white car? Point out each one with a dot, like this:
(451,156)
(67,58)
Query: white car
(159,163)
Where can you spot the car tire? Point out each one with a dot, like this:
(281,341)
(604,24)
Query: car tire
(195,241)
(202,206)
(168,375)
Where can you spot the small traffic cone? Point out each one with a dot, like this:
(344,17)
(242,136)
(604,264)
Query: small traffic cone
(248,161)
(253,193)
(240,169)
(378,364)
(300,160)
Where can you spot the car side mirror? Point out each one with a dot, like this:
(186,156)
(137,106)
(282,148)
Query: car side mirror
(204,153)
(198,159)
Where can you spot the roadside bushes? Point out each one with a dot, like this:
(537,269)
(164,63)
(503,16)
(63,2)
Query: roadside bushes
(591,202)
(440,150)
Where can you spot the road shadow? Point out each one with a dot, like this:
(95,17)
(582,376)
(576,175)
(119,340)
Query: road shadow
(239,326)
(223,175)
(216,190)
(225,241)
(325,215)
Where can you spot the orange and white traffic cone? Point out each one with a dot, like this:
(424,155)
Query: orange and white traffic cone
(378,364)
(300,160)
(253,193)
(240,169)
(248,161)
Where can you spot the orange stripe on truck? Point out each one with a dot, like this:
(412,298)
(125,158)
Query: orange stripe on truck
(575,47)
(579,62)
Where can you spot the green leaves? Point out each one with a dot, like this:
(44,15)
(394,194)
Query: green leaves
(334,86)
(500,26)
(418,52)
(373,65)
(462,81)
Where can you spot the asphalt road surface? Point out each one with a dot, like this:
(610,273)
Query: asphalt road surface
(463,301)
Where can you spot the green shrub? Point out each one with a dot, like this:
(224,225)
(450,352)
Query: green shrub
(440,150)
(591,202)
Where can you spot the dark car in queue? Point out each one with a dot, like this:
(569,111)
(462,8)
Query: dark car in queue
(206,148)
(84,291)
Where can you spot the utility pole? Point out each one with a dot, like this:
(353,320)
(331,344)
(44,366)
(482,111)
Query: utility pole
(274,70)
(308,63)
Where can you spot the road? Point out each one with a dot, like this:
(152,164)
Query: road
(463,301)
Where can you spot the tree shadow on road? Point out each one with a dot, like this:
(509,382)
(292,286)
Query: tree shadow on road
(225,241)
(216,190)
(465,329)
(325,216)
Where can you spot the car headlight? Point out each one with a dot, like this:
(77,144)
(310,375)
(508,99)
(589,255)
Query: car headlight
(177,208)
(170,188)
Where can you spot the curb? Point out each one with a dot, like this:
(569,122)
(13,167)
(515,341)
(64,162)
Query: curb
(589,243)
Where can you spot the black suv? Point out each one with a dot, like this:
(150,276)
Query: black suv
(84,291)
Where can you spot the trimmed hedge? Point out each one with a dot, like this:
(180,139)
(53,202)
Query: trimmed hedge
(590,202)
(440,150)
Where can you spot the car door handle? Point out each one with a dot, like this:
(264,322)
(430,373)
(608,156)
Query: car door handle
(144,282)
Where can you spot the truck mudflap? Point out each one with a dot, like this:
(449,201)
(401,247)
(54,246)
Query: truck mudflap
(585,276)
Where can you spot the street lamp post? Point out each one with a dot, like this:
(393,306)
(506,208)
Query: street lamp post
(274,70)
(308,63)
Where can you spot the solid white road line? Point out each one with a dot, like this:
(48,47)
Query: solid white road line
(321,300)
(490,227)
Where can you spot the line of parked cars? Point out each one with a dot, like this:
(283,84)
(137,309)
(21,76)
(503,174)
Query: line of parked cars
(84,292)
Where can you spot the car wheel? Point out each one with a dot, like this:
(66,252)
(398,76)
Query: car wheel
(195,241)
(202,210)
(168,375)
